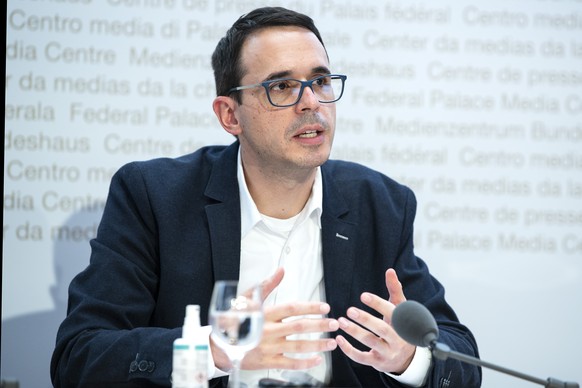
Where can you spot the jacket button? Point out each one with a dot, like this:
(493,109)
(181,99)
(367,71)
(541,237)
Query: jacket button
(151,366)
(143,366)
(133,366)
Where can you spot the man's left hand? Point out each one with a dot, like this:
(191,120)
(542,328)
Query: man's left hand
(388,352)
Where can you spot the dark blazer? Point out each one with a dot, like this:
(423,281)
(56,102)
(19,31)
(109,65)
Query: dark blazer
(171,228)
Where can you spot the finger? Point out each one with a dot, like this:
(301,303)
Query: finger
(365,335)
(305,326)
(288,310)
(280,361)
(268,285)
(394,287)
(353,353)
(299,363)
(302,346)
(382,306)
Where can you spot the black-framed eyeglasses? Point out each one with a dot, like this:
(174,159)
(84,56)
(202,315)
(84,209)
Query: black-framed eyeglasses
(288,91)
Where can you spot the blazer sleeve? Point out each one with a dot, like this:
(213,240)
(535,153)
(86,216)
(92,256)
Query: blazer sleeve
(107,338)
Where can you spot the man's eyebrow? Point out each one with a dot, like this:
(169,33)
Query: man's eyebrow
(278,75)
(287,73)
(321,70)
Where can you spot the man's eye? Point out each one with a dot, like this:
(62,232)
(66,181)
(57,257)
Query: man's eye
(279,86)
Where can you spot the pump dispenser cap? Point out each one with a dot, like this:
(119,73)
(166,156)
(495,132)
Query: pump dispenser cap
(191,321)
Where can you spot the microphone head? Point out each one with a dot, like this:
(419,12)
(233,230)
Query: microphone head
(415,324)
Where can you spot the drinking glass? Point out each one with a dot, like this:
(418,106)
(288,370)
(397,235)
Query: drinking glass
(237,322)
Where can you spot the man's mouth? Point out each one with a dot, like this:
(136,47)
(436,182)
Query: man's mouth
(308,134)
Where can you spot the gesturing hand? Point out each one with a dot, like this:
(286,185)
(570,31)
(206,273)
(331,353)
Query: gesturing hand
(387,351)
(282,321)
(276,349)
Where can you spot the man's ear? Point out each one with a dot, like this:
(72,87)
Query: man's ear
(225,108)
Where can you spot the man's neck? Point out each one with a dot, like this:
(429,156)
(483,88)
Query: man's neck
(279,195)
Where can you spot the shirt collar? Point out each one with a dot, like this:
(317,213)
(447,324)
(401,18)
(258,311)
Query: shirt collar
(250,215)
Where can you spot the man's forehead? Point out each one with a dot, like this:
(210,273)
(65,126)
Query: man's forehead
(292,51)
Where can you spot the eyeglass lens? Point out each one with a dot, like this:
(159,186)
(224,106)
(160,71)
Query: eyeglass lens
(287,92)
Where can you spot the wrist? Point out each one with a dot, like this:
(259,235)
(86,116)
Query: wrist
(221,360)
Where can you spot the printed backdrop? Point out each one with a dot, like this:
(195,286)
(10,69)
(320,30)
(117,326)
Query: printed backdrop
(475,105)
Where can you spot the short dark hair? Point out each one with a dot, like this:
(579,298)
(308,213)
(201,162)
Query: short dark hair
(226,57)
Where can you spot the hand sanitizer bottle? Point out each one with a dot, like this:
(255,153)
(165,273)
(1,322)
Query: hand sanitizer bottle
(190,354)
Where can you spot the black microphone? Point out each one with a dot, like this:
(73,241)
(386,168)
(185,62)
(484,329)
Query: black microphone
(415,324)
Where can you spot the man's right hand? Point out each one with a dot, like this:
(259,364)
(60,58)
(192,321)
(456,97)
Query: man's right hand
(275,351)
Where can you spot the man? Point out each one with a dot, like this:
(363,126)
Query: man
(332,239)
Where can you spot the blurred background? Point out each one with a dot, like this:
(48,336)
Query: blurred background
(476,106)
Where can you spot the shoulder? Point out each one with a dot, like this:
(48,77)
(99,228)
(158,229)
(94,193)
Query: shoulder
(197,162)
(363,180)
(204,155)
(186,175)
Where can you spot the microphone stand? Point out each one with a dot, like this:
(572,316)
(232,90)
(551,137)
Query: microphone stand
(442,352)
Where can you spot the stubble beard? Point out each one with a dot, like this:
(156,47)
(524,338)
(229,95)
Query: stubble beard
(313,159)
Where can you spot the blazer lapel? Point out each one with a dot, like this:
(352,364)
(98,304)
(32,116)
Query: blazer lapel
(339,234)
(224,215)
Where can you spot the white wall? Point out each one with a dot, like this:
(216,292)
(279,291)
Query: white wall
(476,105)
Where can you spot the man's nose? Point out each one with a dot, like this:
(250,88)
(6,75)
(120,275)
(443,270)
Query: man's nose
(309,99)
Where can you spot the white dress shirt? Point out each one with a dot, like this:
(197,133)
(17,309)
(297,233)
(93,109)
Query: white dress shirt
(295,244)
